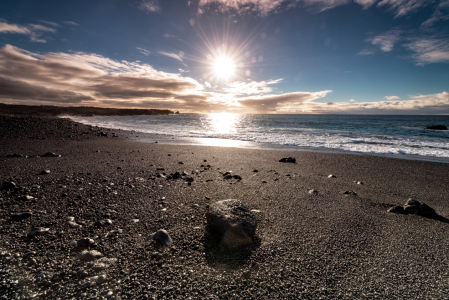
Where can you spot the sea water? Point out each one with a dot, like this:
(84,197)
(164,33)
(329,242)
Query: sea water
(399,136)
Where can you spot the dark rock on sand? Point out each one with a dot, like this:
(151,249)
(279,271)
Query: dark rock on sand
(24,214)
(415,207)
(160,236)
(436,127)
(232,222)
(51,154)
(44,172)
(37,231)
(288,160)
(85,242)
(8,185)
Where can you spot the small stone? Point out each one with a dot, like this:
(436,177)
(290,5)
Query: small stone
(101,279)
(103,263)
(89,255)
(73,224)
(24,214)
(288,160)
(44,172)
(313,192)
(37,231)
(331,176)
(25,198)
(237,177)
(85,242)
(134,220)
(8,185)
(73,243)
(351,193)
(70,219)
(51,154)
(29,254)
(228,176)
(162,237)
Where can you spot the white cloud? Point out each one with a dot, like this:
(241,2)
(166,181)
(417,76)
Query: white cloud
(70,23)
(250,88)
(34,31)
(365,3)
(392,97)
(366,52)
(13,28)
(429,50)
(143,51)
(387,40)
(441,13)
(421,104)
(172,55)
(403,7)
(150,5)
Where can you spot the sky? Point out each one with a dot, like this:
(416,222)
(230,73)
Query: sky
(239,56)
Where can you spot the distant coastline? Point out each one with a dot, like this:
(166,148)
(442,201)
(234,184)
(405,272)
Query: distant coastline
(49,110)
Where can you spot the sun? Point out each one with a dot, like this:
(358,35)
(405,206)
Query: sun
(224,67)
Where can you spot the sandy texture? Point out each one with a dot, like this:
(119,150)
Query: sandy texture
(323,245)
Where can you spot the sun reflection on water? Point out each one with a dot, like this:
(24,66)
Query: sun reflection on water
(223,123)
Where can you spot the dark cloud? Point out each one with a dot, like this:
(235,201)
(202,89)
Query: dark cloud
(20,90)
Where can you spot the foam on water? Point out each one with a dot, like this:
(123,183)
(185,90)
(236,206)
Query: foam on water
(390,135)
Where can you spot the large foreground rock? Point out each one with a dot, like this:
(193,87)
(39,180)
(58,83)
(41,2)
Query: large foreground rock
(232,222)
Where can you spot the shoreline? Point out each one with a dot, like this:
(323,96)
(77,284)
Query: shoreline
(207,141)
(326,244)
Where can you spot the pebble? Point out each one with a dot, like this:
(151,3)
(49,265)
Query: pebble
(85,242)
(73,243)
(8,185)
(25,198)
(331,176)
(313,192)
(101,279)
(37,231)
(89,255)
(162,237)
(44,172)
(73,224)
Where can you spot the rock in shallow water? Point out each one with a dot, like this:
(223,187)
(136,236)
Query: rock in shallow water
(232,222)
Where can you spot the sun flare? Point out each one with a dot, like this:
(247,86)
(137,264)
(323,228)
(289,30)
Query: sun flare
(224,67)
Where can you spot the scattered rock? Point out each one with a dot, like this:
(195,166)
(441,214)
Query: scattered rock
(25,198)
(237,177)
(162,237)
(228,176)
(85,242)
(288,160)
(37,231)
(435,127)
(44,172)
(8,185)
(349,193)
(89,255)
(331,176)
(101,279)
(73,224)
(51,154)
(415,207)
(24,214)
(103,263)
(313,192)
(232,222)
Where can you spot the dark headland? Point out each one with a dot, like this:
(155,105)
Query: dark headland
(78,203)
(49,110)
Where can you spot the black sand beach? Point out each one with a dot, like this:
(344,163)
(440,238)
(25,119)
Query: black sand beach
(324,245)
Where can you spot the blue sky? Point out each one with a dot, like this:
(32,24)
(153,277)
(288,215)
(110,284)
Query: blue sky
(244,56)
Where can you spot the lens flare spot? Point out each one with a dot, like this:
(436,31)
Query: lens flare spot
(248,73)
(192,22)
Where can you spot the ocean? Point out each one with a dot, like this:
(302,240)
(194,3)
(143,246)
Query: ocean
(396,136)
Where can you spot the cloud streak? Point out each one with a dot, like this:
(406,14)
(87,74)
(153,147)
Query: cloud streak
(33,31)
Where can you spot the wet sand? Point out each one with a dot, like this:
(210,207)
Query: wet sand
(327,245)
